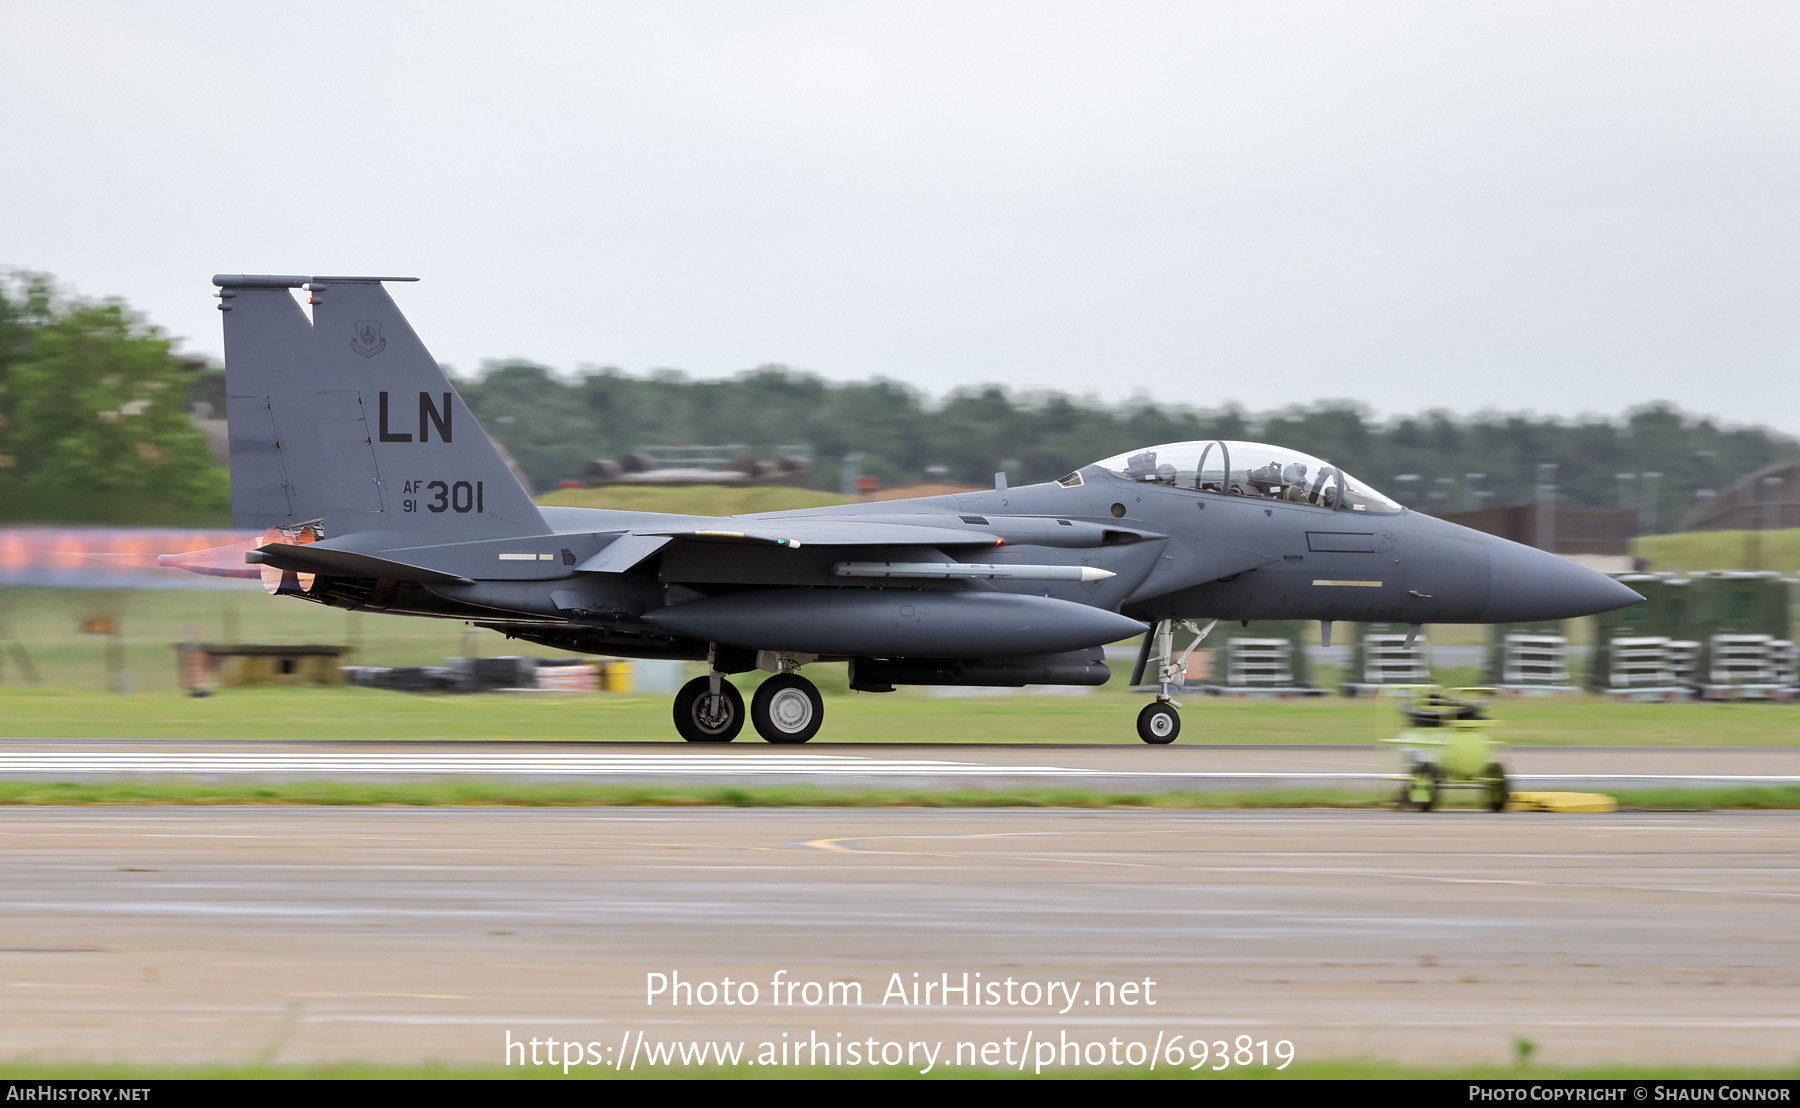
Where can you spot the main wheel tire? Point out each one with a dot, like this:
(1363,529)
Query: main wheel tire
(787,709)
(700,722)
(1499,788)
(1159,723)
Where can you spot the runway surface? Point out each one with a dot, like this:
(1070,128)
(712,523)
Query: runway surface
(312,934)
(1193,767)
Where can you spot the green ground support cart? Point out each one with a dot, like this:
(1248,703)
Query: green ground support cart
(1448,744)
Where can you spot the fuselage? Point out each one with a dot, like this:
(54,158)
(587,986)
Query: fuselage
(1172,553)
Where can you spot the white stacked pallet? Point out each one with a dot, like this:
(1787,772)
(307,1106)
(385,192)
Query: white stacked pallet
(1387,660)
(1260,663)
(1741,660)
(1641,670)
(1535,660)
(1742,667)
(1786,660)
(1640,663)
(1684,661)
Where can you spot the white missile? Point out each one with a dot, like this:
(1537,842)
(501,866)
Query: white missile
(969,569)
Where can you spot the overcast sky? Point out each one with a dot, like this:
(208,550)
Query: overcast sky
(1559,207)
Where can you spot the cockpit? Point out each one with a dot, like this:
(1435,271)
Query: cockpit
(1249,469)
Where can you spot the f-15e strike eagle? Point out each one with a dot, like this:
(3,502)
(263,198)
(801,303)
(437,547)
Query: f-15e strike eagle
(377,491)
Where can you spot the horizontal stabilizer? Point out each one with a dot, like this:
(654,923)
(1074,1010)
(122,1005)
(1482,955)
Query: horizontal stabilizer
(948,570)
(311,558)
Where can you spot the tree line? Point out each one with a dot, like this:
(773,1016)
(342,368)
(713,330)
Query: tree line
(95,414)
(95,408)
(554,426)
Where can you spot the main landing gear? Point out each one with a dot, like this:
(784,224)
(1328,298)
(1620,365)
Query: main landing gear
(709,710)
(1159,723)
(786,708)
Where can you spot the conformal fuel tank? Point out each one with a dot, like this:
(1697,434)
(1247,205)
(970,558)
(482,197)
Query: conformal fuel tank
(896,623)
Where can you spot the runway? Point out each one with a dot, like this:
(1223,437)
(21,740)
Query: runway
(1187,767)
(396,935)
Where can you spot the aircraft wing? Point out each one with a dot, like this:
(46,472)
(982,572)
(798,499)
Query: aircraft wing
(831,532)
(634,546)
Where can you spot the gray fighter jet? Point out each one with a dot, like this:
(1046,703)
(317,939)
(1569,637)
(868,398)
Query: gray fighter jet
(377,491)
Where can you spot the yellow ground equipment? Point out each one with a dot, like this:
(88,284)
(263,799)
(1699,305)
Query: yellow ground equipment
(1448,744)
(1562,802)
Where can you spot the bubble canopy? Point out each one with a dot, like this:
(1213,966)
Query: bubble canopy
(1250,469)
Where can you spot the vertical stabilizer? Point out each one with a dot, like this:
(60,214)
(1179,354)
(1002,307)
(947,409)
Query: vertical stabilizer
(348,418)
(268,341)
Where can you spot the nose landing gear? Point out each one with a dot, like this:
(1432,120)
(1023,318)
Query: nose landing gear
(1159,723)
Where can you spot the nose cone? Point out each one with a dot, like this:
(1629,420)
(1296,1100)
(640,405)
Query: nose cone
(1531,585)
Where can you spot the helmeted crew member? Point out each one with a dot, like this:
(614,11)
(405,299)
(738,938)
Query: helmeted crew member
(1324,488)
(1293,480)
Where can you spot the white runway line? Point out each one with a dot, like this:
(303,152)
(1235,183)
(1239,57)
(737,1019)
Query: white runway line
(586,764)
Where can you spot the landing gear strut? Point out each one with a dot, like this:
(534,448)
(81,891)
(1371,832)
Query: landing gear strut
(1159,723)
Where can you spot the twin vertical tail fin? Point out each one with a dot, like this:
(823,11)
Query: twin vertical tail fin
(268,344)
(347,418)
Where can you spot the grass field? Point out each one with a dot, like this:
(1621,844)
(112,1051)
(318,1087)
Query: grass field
(911,715)
(1690,550)
(47,621)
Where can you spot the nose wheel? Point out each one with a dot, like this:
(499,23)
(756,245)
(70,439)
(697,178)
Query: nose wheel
(1159,723)
(709,710)
(787,709)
